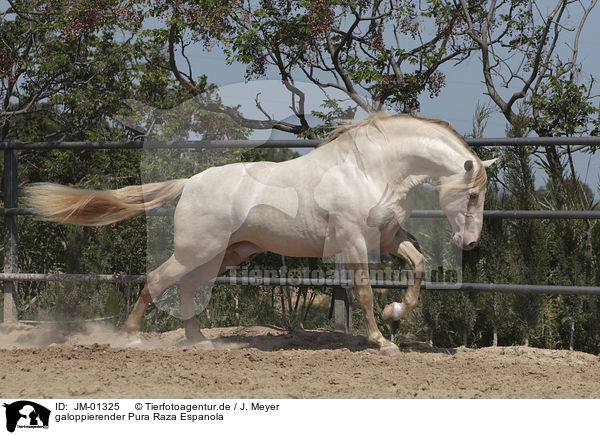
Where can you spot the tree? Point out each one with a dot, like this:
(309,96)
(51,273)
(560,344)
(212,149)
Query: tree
(564,109)
(63,54)
(431,303)
(487,263)
(62,72)
(518,43)
(525,234)
(68,68)
(464,315)
(519,47)
(378,54)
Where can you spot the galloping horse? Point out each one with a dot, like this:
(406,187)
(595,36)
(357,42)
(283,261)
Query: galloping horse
(349,195)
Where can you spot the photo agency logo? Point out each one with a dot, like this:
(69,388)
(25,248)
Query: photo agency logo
(25,414)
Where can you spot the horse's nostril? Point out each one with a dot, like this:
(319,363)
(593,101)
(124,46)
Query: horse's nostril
(472,245)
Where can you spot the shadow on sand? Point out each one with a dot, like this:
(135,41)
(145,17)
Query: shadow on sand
(264,338)
(315,340)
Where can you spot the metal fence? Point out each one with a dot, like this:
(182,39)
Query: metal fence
(11,211)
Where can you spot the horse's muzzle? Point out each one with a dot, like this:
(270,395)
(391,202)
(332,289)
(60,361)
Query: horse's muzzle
(465,245)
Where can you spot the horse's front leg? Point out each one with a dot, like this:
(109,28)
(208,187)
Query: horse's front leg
(404,249)
(358,266)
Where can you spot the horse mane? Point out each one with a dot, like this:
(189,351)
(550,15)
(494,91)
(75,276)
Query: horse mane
(354,125)
(477,181)
(479,178)
(378,116)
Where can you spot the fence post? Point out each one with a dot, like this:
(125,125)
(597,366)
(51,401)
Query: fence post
(342,308)
(10,234)
(342,299)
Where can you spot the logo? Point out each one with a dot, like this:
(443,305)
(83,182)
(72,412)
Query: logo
(26,414)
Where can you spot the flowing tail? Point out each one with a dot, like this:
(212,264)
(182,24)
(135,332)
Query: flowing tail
(58,203)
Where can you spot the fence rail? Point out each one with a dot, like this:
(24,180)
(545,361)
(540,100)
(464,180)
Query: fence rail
(433,214)
(283,143)
(11,211)
(316,282)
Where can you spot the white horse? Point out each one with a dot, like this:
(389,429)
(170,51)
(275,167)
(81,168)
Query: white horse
(349,195)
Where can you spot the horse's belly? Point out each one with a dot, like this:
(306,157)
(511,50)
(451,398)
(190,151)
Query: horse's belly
(293,247)
(305,235)
(273,230)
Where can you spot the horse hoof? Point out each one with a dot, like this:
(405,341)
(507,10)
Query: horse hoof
(204,345)
(135,342)
(389,350)
(195,337)
(393,312)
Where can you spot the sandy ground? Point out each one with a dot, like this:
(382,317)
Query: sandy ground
(265,362)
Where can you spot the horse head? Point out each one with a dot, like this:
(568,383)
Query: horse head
(461,198)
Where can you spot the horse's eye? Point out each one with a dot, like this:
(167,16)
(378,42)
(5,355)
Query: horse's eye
(473,196)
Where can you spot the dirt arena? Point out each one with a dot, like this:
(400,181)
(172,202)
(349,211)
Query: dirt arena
(265,362)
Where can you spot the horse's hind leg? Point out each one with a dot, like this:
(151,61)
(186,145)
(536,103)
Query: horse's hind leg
(159,279)
(234,255)
(188,286)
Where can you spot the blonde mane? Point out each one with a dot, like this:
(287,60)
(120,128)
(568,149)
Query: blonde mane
(479,178)
(346,128)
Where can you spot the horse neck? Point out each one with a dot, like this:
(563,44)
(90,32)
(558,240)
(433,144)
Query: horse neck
(435,157)
(388,154)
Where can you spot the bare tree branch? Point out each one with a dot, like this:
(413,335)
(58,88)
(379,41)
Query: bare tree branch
(219,108)
(559,9)
(350,89)
(20,13)
(586,13)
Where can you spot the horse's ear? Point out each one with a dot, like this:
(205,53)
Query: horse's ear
(469,165)
(488,163)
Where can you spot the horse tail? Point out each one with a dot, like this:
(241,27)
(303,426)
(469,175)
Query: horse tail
(55,202)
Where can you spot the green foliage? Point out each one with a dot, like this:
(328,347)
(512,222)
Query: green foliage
(69,70)
(330,119)
(562,108)
(347,40)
